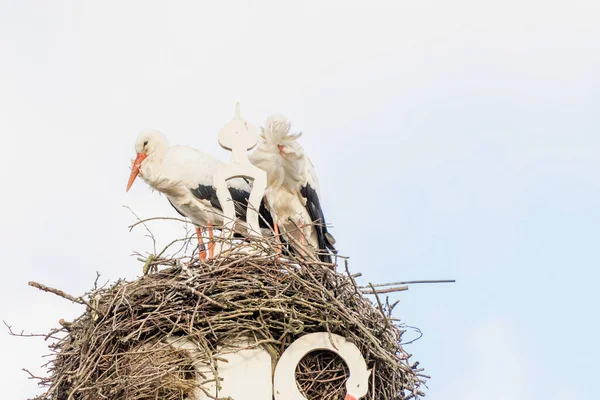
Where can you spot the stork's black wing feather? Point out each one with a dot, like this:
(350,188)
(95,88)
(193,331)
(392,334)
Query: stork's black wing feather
(313,206)
(240,199)
(176,209)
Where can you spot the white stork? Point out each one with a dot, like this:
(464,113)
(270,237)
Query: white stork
(185,176)
(292,188)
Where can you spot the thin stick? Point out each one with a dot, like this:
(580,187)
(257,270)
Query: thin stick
(56,292)
(412,282)
(389,290)
(350,276)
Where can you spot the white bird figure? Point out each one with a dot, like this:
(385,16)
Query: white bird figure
(185,176)
(284,379)
(292,189)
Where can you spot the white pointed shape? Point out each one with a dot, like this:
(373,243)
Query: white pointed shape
(239,136)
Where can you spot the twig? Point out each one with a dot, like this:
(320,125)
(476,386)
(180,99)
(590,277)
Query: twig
(415,339)
(350,276)
(412,282)
(23,334)
(387,321)
(57,292)
(389,290)
(32,376)
(143,222)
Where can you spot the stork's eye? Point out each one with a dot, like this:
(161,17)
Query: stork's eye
(145,143)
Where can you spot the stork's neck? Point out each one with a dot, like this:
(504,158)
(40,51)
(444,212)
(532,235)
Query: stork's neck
(150,170)
(282,172)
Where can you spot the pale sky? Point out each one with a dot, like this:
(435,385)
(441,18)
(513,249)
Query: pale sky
(453,140)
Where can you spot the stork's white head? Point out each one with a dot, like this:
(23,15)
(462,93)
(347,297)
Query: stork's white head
(148,143)
(276,136)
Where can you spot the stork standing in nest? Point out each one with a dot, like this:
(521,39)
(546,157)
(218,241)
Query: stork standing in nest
(185,176)
(292,189)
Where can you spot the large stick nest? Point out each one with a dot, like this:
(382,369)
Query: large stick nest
(117,348)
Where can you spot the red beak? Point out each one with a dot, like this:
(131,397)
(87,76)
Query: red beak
(349,397)
(280,147)
(135,169)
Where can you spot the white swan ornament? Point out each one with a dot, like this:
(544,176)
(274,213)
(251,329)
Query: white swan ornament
(284,380)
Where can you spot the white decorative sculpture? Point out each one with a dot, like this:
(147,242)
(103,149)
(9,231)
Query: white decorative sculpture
(284,379)
(246,374)
(239,136)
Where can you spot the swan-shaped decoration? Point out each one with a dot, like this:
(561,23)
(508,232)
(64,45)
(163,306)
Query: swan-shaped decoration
(284,381)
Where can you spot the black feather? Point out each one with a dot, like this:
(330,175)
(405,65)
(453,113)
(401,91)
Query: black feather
(313,206)
(240,199)
(177,209)
(204,192)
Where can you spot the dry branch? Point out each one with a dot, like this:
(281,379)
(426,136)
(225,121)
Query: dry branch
(56,292)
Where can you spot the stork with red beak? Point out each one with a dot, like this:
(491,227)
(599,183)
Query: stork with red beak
(293,190)
(185,176)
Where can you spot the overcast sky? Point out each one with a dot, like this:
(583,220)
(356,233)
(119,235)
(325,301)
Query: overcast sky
(453,139)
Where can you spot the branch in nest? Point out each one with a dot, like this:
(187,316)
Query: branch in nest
(57,292)
(388,290)
(411,282)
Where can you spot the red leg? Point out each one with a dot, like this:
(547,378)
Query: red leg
(211,242)
(201,247)
(277,238)
(301,226)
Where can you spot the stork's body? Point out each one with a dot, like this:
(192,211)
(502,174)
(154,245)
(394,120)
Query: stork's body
(292,187)
(185,176)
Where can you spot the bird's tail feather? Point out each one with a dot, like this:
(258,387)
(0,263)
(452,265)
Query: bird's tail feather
(277,130)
